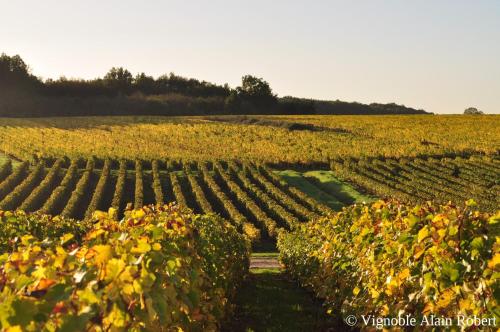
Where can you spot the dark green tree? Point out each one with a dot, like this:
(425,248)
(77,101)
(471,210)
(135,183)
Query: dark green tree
(120,79)
(254,87)
(473,111)
(144,84)
(253,96)
(15,74)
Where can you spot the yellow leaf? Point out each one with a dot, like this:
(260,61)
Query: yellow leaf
(94,234)
(419,251)
(138,214)
(88,295)
(66,237)
(465,304)
(116,317)
(356,291)
(128,289)
(428,308)
(494,261)
(404,274)
(445,299)
(113,268)
(40,272)
(385,310)
(423,233)
(103,253)
(98,215)
(141,248)
(441,233)
(26,239)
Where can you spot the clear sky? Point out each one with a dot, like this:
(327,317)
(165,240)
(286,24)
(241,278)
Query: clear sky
(439,55)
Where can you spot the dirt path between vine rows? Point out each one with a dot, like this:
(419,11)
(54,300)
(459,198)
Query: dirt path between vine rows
(270,301)
(264,263)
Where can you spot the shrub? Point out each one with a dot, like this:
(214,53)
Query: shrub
(389,259)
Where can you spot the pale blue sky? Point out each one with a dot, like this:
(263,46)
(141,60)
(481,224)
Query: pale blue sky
(442,56)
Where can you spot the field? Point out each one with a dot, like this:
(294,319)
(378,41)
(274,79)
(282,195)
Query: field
(195,138)
(263,174)
(266,173)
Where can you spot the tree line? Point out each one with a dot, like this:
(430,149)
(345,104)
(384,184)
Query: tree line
(119,92)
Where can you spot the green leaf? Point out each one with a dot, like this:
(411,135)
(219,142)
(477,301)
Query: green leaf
(22,281)
(24,311)
(75,323)
(452,271)
(477,243)
(471,202)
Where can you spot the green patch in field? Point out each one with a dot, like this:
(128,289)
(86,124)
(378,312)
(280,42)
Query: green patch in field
(265,270)
(329,183)
(265,254)
(325,187)
(296,179)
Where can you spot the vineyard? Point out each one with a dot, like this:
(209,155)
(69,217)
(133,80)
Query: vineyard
(328,193)
(389,259)
(286,140)
(162,268)
(253,196)
(427,179)
(255,199)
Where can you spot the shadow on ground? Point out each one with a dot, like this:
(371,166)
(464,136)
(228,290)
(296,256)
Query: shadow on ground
(269,301)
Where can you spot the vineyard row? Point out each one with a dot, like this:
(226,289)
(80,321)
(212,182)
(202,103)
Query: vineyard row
(417,180)
(256,200)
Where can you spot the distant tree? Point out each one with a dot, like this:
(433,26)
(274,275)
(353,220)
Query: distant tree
(144,83)
(120,79)
(15,74)
(472,110)
(13,65)
(254,87)
(253,96)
